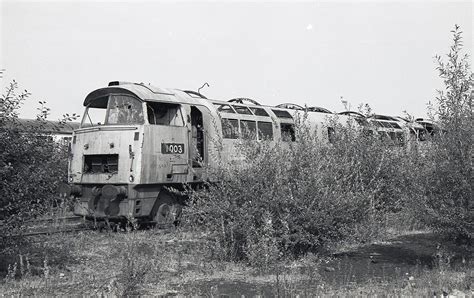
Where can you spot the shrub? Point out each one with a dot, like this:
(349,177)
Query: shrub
(290,198)
(448,206)
(32,164)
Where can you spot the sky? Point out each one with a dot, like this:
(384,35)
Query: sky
(315,53)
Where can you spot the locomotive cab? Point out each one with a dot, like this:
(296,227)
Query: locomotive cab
(134,142)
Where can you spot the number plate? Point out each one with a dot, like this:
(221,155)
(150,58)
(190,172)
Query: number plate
(172,148)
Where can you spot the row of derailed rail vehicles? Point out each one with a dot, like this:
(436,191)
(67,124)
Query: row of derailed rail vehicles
(135,141)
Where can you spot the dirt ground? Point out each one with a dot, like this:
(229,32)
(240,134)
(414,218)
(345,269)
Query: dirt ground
(396,265)
(160,263)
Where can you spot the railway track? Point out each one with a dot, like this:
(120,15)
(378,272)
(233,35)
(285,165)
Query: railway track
(70,224)
(55,219)
(45,229)
(54,225)
(53,232)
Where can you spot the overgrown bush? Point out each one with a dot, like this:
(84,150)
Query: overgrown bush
(448,205)
(290,198)
(31,163)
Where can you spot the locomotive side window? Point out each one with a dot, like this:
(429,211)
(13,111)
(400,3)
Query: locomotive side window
(395,125)
(386,124)
(378,124)
(160,113)
(93,117)
(230,128)
(287,132)
(242,110)
(265,130)
(223,108)
(249,129)
(259,112)
(282,114)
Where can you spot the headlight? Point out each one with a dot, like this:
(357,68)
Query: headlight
(131,178)
(71,179)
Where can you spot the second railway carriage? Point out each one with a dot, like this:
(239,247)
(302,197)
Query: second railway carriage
(136,140)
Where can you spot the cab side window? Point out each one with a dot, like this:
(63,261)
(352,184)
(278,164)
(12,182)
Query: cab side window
(160,113)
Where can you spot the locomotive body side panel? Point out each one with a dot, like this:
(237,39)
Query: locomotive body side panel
(165,155)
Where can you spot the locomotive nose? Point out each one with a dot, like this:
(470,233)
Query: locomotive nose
(106,200)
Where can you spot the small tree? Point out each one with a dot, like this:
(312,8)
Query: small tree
(449,191)
(31,162)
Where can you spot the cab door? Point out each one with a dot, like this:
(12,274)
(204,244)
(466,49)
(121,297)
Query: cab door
(197,142)
(165,144)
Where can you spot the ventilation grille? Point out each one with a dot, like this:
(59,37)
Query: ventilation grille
(103,163)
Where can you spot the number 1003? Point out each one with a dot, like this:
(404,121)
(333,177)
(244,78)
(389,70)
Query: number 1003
(172,148)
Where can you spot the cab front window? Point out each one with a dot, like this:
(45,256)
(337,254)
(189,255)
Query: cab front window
(114,109)
(124,110)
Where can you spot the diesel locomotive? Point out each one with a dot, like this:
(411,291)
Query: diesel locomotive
(137,141)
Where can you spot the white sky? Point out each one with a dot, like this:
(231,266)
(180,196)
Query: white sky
(380,53)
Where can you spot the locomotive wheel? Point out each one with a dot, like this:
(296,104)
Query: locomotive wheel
(167,214)
(167,210)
